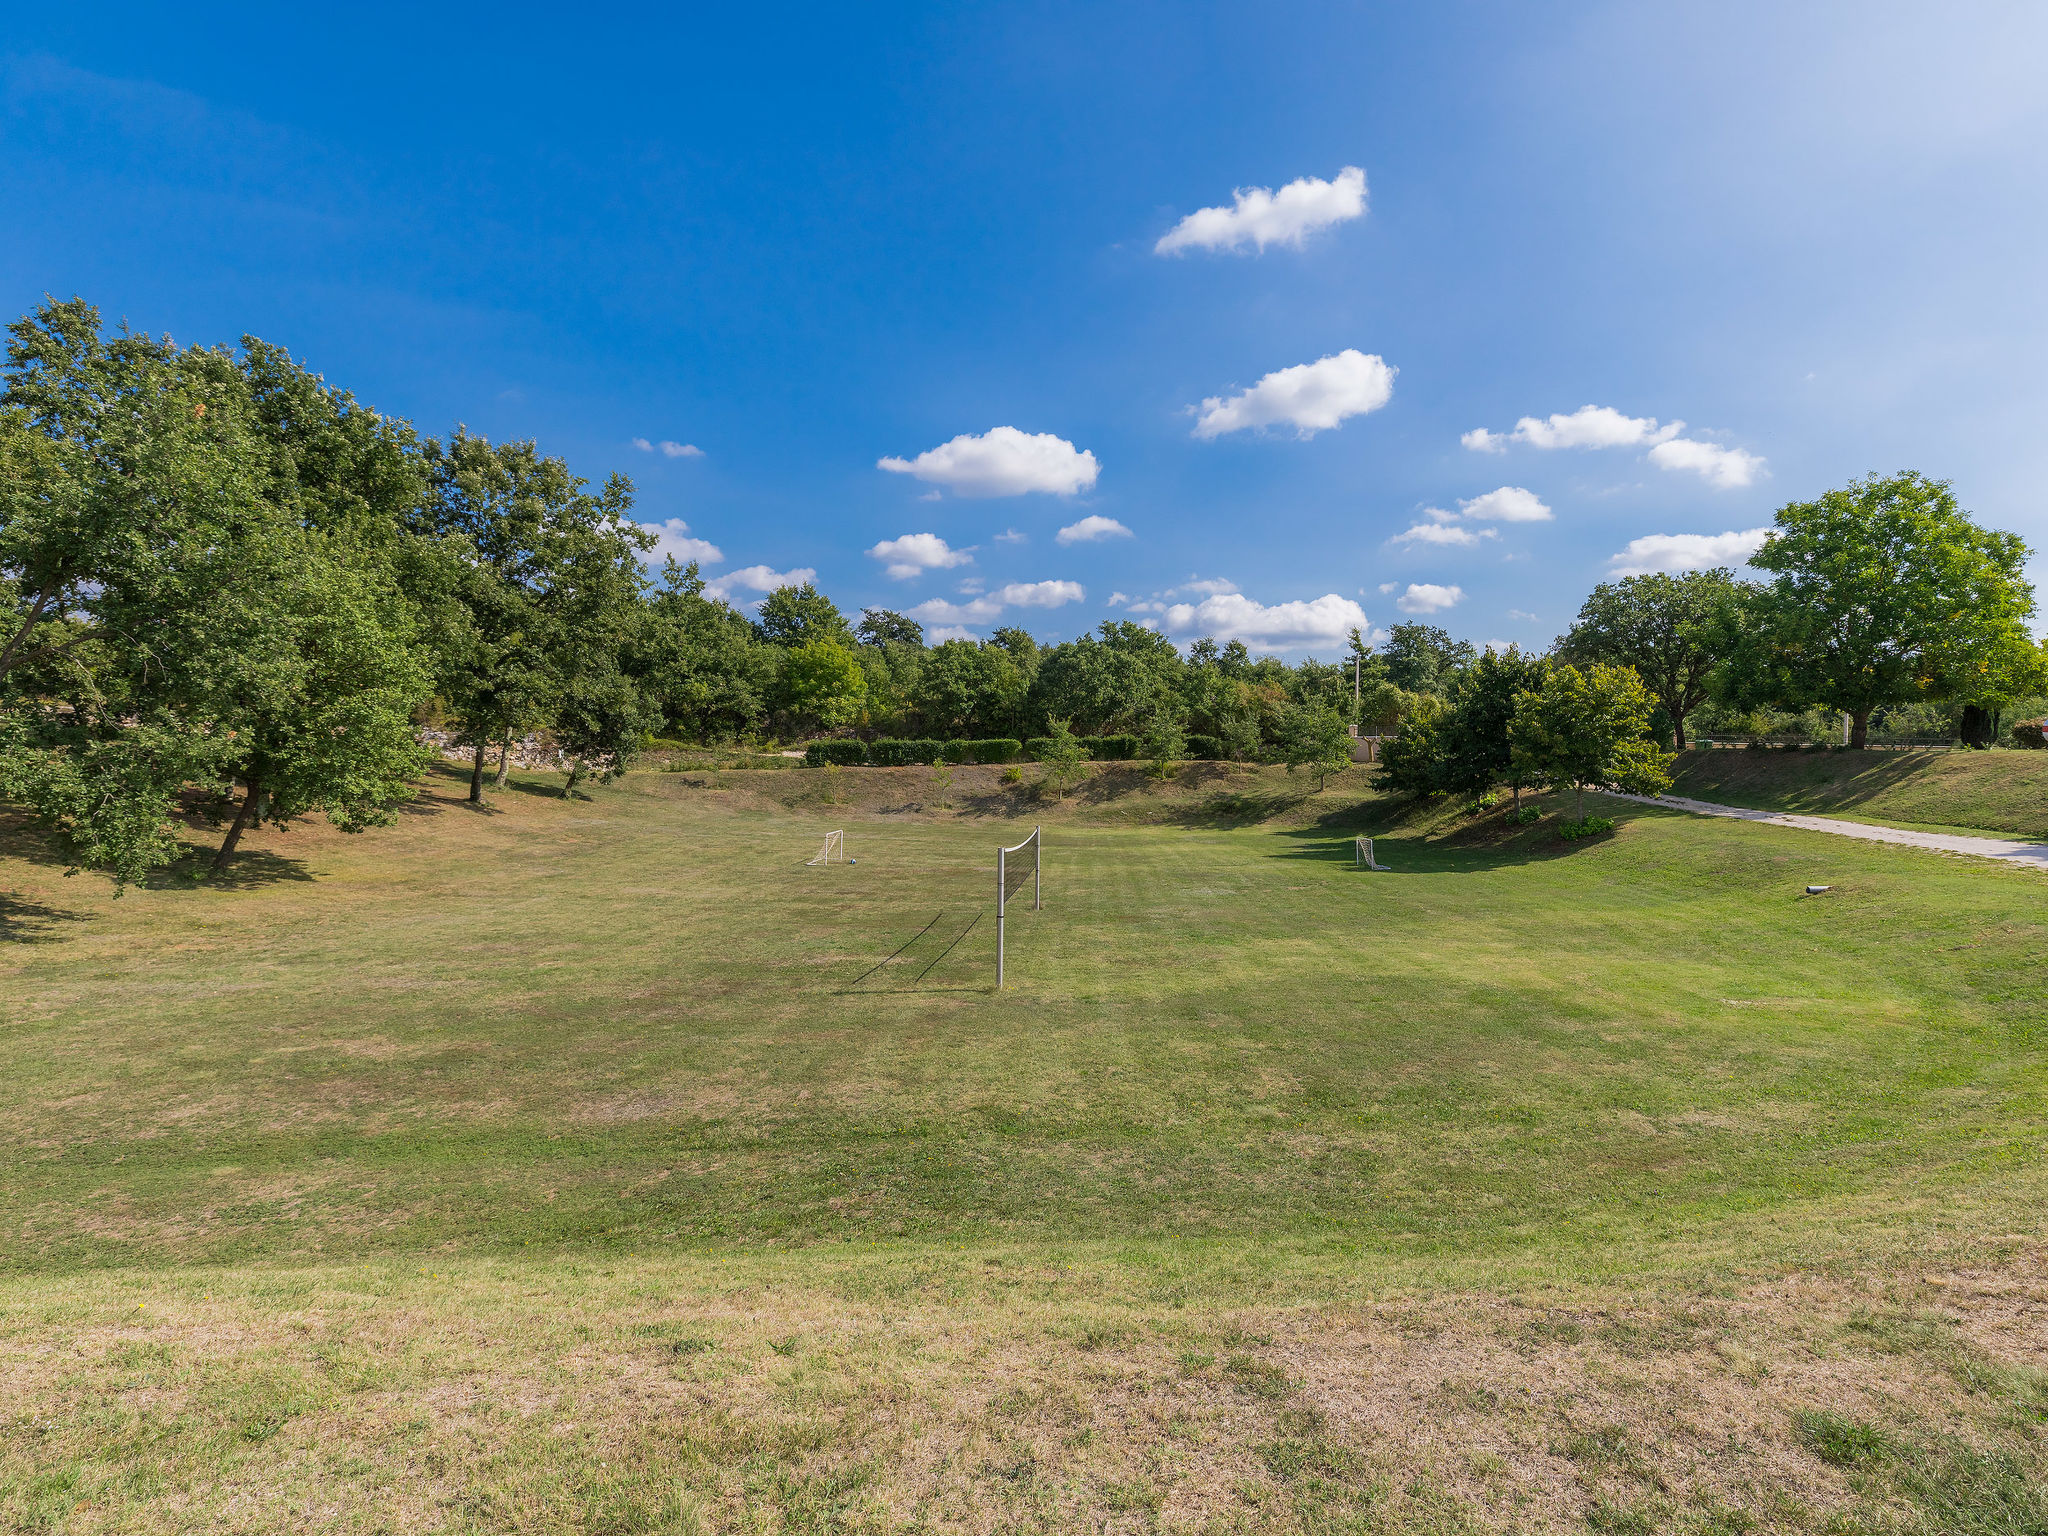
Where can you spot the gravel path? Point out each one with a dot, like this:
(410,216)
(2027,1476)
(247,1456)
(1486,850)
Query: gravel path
(2009,849)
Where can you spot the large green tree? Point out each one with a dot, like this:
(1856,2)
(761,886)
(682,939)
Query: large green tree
(551,589)
(1590,726)
(965,688)
(1673,630)
(697,659)
(1475,735)
(1881,593)
(1421,658)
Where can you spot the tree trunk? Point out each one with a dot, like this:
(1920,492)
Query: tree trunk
(504,759)
(575,773)
(227,847)
(1976,729)
(476,777)
(1516,788)
(1859,729)
(1677,731)
(1579,800)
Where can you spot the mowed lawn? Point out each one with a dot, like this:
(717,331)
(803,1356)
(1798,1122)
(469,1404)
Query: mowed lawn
(641,1021)
(1230,1072)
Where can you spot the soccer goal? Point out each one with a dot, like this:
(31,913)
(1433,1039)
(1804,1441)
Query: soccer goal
(1362,848)
(1015,868)
(835,848)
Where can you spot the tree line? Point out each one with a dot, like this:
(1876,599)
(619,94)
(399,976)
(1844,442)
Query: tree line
(228,587)
(1881,596)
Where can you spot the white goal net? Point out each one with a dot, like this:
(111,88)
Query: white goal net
(834,848)
(1016,868)
(1363,850)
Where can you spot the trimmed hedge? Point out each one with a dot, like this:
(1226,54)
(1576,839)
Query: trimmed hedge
(904,754)
(1206,749)
(847,753)
(993,749)
(1101,749)
(1114,749)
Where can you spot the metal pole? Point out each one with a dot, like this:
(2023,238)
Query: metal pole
(1037,864)
(1002,855)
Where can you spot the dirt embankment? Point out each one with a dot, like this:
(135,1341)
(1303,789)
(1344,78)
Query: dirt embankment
(1204,793)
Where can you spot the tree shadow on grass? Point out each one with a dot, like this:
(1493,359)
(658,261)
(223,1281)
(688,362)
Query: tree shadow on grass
(23,921)
(1476,846)
(1834,779)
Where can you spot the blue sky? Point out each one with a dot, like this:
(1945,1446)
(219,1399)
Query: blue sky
(808,239)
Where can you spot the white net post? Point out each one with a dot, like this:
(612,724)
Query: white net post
(1036,846)
(835,842)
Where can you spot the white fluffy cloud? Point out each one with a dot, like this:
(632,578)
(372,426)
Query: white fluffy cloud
(758,578)
(1444,533)
(1324,620)
(947,632)
(1423,597)
(1725,469)
(1091,530)
(1590,426)
(915,553)
(1259,216)
(1002,462)
(1011,536)
(672,450)
(673,538)
(1018,594)
(1601,426)
(1309,397)
(1686,551)
(1509,504)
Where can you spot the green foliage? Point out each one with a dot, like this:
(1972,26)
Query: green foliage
(1316,738)
(966,688)
(1588,727)
(699,661)
(1416,762)
(1841,1441)
(822,680)
(1883,592)
(1061,756)
(1164,742)
(851,754)
(1205,749)
(885,627)
(994,749)
(1673,630)
(796,616)
(1473,737)
(1585,826)
(904,753)
(1421,658)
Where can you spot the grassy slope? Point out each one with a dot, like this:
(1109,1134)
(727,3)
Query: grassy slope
(524,1107)
(1974,791)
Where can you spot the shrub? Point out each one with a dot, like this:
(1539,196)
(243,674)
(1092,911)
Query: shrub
(1112,749)
(1206,749)
(2030,737)
(1525,815)
(995,749)
(848,753)
(1585,826)
(1013,775)
(904,754)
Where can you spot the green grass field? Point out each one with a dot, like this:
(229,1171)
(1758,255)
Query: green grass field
(560,1167)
